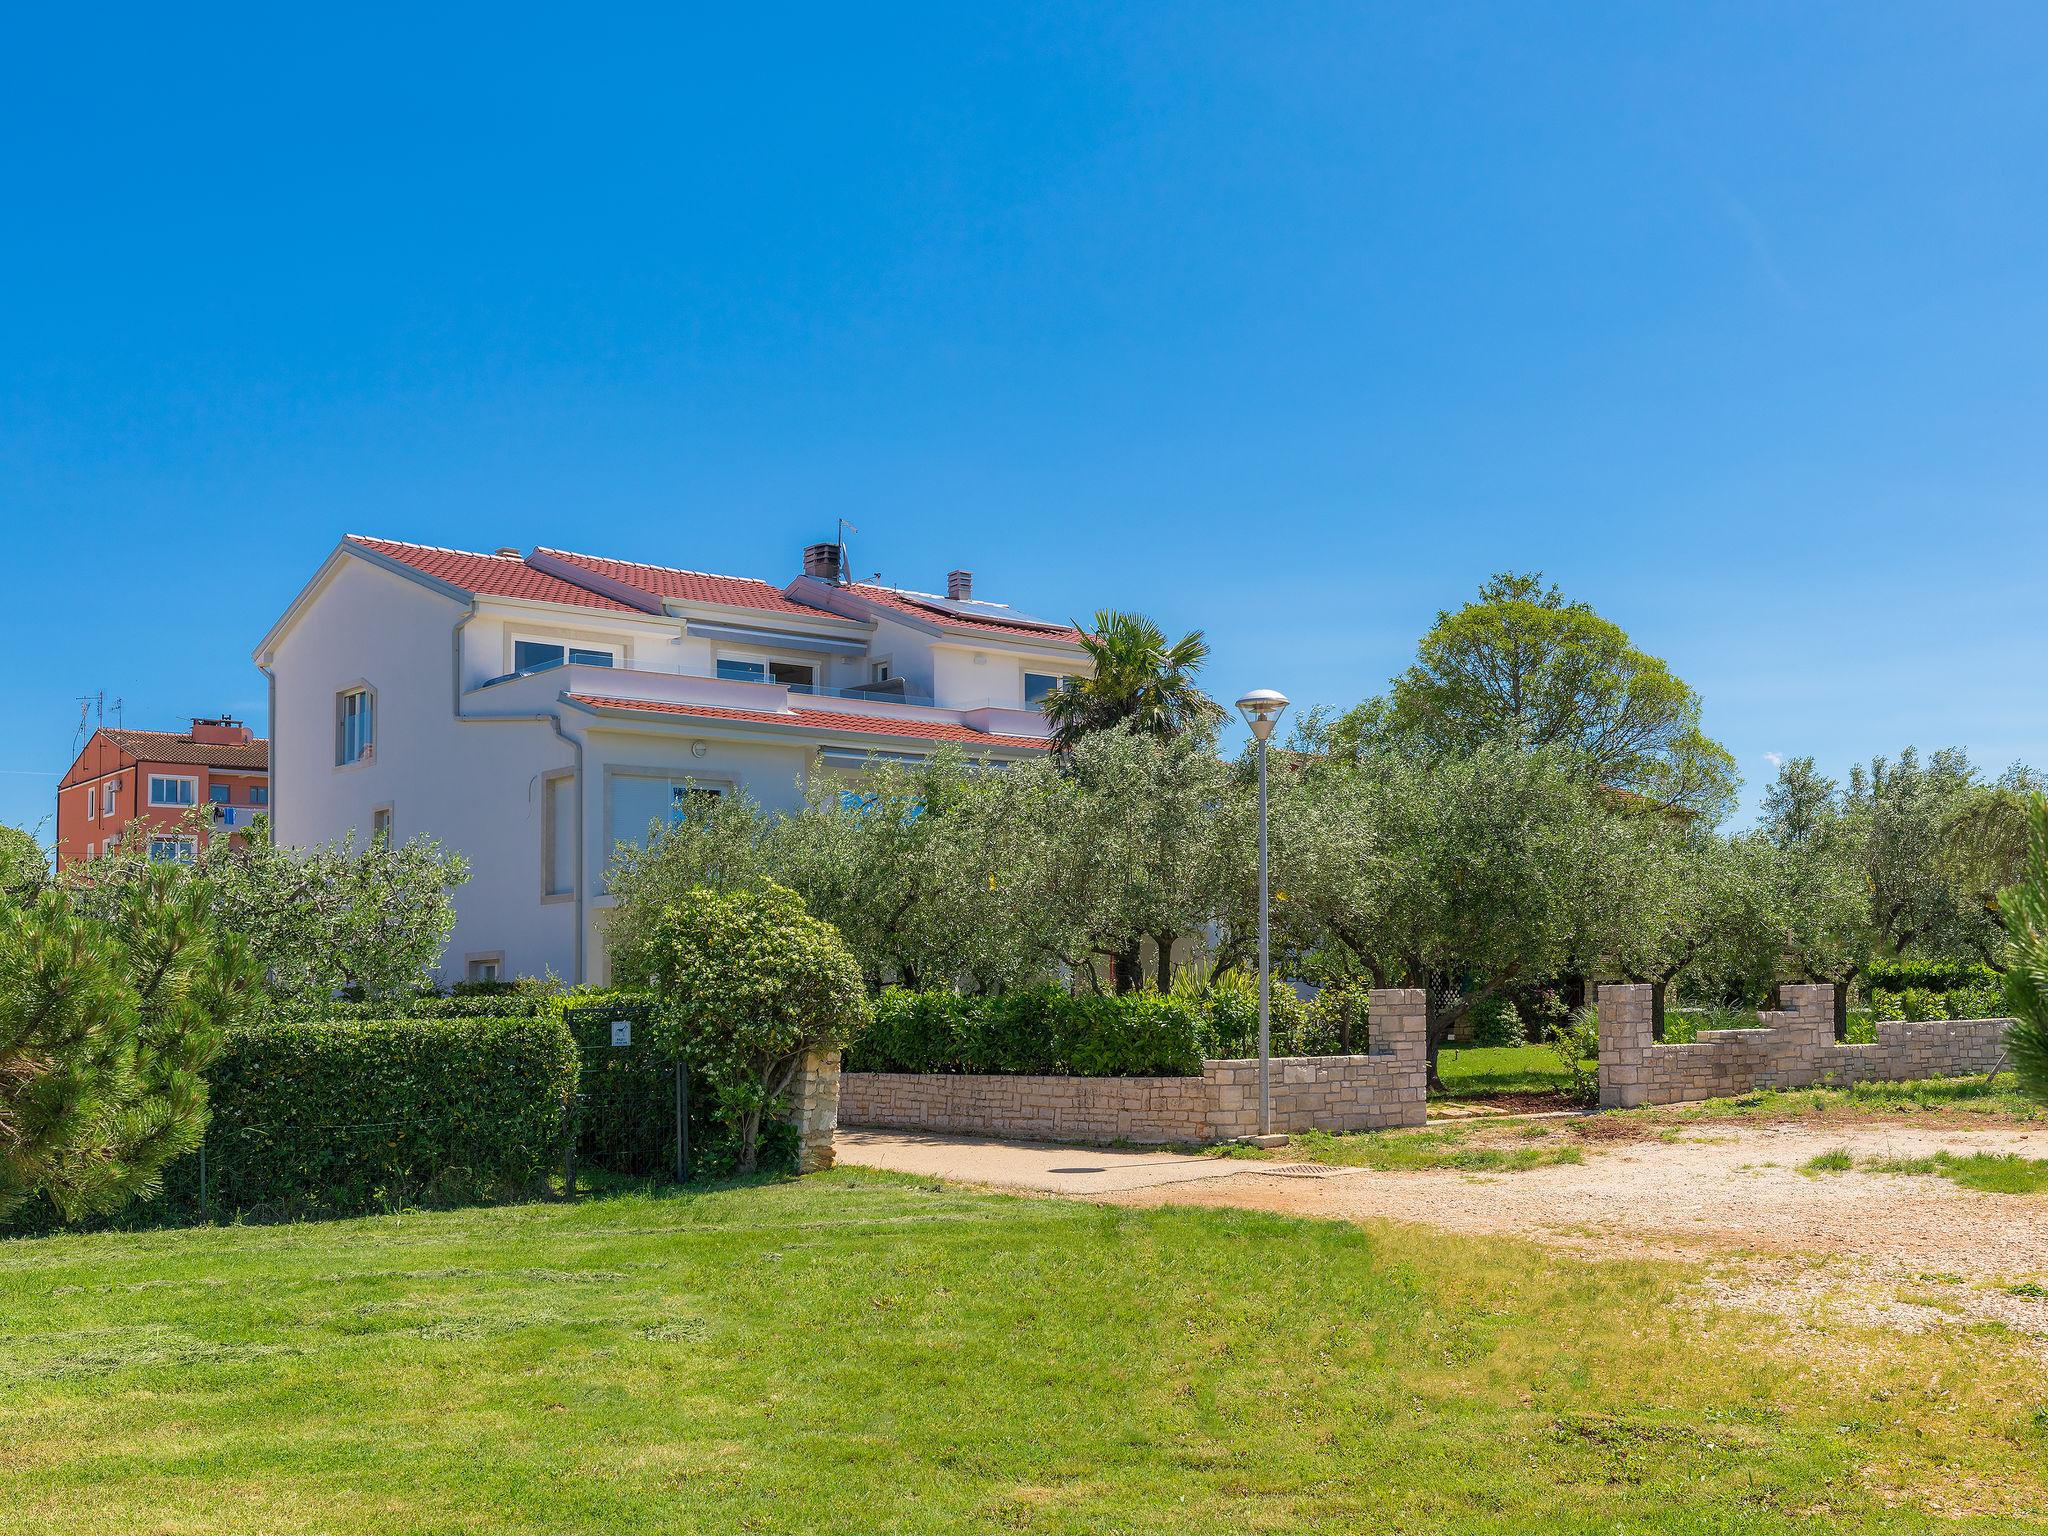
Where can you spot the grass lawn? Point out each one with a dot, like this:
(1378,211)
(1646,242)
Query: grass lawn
(1482,1071)
(1991,1173)
(1455,1147)
(861,1353)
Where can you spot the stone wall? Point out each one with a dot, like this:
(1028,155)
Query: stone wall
(1795,1049)
(1333,1093)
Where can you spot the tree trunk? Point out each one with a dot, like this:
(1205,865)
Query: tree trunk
(1658,988)
(750,1140)
(1129,972)
(1842,1006)
(1163,942)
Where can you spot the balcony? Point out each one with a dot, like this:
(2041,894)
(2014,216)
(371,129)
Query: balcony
(542,687)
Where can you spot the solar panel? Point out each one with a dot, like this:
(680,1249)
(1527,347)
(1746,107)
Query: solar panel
(972,609)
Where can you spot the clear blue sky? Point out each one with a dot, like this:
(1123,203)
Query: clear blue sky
(1291,323)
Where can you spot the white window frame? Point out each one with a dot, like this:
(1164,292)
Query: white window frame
(174,778)
(767,661)
(368,751)
(514,639)
(493,958)
(108,793)
(92,803)
(557,885)
(188,845)
(879,672)
(389,828)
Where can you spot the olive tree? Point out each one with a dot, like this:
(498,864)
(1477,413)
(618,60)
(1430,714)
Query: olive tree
(746,984)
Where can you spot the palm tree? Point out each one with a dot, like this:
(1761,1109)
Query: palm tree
(1139,681)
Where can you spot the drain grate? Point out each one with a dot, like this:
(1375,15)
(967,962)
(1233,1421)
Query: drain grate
(1304,1171)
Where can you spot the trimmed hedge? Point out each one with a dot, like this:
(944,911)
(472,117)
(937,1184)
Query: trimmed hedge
(626,1097)
(1042,1031)
(338,1117)
(1928,976)
(429,1005)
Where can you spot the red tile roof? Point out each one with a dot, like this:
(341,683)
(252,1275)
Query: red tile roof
(824,719)
(665,581)
(490,575)
(170,747)
(889,597)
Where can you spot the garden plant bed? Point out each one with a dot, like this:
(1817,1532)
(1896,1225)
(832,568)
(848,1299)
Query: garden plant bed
(856,1352)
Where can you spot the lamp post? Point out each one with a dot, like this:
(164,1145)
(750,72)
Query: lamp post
(1262,709)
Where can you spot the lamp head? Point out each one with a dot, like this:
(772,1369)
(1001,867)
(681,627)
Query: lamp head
(1262,709)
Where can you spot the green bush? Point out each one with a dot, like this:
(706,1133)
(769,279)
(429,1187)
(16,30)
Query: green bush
(626,1097)
(1340,1013)
(1931,975)
(1228,1006)
(1978,1001)
(338,1117)
(1041,1030)
(430,1005)
(1497,1022)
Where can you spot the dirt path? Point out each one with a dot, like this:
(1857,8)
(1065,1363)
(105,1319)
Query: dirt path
(1896,1250)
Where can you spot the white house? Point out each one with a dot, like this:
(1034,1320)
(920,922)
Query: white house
(530,711)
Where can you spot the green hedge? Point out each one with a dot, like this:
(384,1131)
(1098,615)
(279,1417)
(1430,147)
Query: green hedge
(1928,976)
(1042,1031)
(626,1097)
(508,1005)
(342,1116)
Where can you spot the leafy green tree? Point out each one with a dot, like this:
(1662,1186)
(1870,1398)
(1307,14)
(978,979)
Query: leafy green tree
(23,864)
(727,843)
(336,918)
(747,984)
(1482,873)
(106,1024)
(1140,680)
(2025,908)
(1524,668)
(1984,845)
(1677,896)
(1157,843)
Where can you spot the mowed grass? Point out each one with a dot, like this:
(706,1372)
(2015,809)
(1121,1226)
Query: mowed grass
(860,1353)
(1484,1071)
(1965,1101)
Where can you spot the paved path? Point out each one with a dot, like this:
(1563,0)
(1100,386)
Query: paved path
(1032,1165)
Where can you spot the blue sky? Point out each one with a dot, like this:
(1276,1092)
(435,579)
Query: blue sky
(1291,323)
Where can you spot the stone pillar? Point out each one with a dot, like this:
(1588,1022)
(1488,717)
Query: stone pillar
(1624,1041)
(1801,1031)
(814,1110)
(1397,1022)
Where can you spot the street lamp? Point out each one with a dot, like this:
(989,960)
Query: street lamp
(1262,709)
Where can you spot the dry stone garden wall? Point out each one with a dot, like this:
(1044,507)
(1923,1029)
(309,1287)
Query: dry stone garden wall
(1376,1091)
(1796,1048)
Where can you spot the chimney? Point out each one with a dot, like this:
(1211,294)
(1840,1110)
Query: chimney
(822,561)
(221,731)
(960,586)
(506,552)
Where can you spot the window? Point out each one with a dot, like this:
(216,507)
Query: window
(107,797)
(380,825)
(89,854)
(355,726)
(165,790)
(484,968)
(879,672)
(558,835)
(91,812)
(259,794)
(218,794)
(532,655)
(173,850)
(758,669)
(641,803)
(1037,685)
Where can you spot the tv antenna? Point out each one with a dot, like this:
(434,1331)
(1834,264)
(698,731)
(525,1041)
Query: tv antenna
(845,567)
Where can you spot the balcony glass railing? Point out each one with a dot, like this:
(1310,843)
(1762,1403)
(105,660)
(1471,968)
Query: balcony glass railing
(887,693)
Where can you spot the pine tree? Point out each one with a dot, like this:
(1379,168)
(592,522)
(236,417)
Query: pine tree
(106,1026)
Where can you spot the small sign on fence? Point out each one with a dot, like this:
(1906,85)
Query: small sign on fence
(622,1031)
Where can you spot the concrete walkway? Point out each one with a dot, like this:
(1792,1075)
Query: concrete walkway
(1032,1165)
